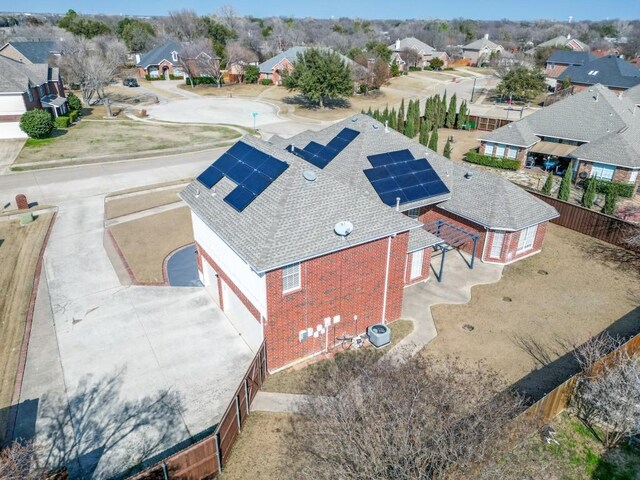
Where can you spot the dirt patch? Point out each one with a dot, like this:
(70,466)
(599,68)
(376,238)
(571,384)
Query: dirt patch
(19,250)
(108,137)
(297,379)
(528,340)
(261,450)
(463,141)
(138,203)
(147,241)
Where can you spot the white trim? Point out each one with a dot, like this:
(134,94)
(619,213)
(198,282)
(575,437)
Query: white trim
(291,274)
(527,239)
(497,234)
(416,268)
(386,282)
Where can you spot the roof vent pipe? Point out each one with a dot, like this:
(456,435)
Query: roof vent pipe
(197,193)
(597,97)
(293,148)
(386,126)
(397,204)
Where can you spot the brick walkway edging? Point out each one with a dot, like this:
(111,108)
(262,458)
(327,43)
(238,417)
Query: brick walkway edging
(22,362)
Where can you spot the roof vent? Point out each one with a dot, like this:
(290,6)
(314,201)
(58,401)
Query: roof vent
(309,175)
(354,118)
(343,228)
(468,175)
(197,193)
(375,126)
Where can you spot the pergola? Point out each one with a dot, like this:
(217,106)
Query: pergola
(453,237)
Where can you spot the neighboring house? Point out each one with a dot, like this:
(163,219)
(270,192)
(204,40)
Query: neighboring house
(563,41)
(275,68)
(560,60)
(303,240)
(26,87)
(31,52)
(166,60)
(597,128)
(479,52)
(610,71)
(425,53)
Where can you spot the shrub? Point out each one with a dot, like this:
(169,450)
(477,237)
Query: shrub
(37,123)
(548,185)
(605,186)
(489,161)
(73,116)
(415,69)
(589,195)
(152,79)
(266,81)
(75,105)
(62,122)
(176,77)
(251,74)
(202,81)
(610,201)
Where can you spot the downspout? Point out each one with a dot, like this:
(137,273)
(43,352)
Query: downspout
(484,246)
(386,282)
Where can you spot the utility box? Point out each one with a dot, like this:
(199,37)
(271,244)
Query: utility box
(379,335)
(26,218)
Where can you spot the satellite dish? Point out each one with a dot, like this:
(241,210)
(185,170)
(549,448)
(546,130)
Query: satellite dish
(343,228)
(309,175)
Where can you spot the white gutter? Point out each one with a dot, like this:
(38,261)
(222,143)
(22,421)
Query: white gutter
(484,245)
(386,282)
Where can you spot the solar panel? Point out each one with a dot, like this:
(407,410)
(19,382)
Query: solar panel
(255,159)
(225,163)
(313,148)
(240,150)
(240,198)
(273,168)
(321,155)
(397,169)
(348,134)
(210,177)
(257,182)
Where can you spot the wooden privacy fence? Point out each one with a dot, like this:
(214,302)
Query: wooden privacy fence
(597,225)
(206,458)
(556,401)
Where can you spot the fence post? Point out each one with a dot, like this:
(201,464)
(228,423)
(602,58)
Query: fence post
(216,438)
(260,366)
(238,412)
(246,394)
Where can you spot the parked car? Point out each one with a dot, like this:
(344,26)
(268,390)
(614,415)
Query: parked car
(130,82)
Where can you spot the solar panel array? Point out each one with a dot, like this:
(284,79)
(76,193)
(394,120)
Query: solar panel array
(399,175)
(321,155)
(249,168)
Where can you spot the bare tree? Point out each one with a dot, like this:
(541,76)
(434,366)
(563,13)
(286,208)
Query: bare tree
(422,419)
(411,56)
(186,25)
(18,462)
(228,15)
(93,64)
(199,60)
(237,57)
(608,391)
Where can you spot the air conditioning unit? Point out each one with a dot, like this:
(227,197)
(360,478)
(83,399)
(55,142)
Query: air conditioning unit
(379,335)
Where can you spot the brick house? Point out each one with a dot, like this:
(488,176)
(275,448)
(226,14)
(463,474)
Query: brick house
(274,68)
(31,52)
(425,53)
(560,60)
(166,60)
(563,41)
(480,51)
(597,128)
(305,239)
(25,87)
(611,71)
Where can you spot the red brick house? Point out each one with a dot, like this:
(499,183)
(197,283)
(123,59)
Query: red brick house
(303,240)
(167,59)
(597,128)
(560,60)
(424,53)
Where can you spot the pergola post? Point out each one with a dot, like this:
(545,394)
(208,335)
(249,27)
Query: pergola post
(444,250)
(473,256)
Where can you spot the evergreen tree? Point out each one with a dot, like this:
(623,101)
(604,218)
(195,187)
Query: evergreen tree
(433,141)
(424,134)
(451,114)
(447,149)
(443,110)
(589,195)
(369,112)
(565,184)
(400,124)
(376,114)
(385,114)
(463,115)
(610,200)
(410,127)
(548,185)
(393,119)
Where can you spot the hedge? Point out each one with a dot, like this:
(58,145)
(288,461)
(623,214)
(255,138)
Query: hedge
(605,186)
(62,122)
(478,159)
(202,81)
(415,69)
(176,77)
(152,79)
(266,81)
(73,115)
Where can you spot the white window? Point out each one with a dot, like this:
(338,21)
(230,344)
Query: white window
(633,176)
(496,244)
(602,172)
(488,149)
(527,237)
(291,277)
(413,213)
(417,259)
(499,151)
(512,153)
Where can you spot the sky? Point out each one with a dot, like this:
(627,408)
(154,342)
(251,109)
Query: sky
(371,9)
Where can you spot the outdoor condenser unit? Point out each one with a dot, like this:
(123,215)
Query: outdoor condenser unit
(379,335)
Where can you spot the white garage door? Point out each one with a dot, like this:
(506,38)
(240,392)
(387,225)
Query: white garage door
(241,318)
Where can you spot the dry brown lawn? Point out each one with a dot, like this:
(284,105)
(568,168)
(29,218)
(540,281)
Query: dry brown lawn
(526,324)
(91,138)
(19,251)
(140,202)
(147,241)
(261,450)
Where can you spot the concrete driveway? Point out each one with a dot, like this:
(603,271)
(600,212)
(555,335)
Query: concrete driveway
(9,151)
(116,375)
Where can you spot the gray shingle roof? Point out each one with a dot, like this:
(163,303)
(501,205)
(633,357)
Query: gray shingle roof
(293,219)
(420,239)
(414,43)
(562,41)
(571,57)
(596,116)
(36,52)
(610,71)
(160,53)
(291,55)
(480,44)
(15,76)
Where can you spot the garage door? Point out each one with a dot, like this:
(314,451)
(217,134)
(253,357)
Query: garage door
(241,318)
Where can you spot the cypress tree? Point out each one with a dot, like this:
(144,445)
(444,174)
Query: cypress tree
(447,149)
(410,127)
(610,200)
(433,141)
(463,115)
(565,184)
(385,114)
(430,110)
(443,110)
(589,195)
(376,114)
(400,124)
(369,112)
(393,119)
(451,114)
(548,185)
(424,134)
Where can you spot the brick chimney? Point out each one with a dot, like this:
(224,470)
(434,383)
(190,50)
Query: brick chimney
(397,44)
(21,202)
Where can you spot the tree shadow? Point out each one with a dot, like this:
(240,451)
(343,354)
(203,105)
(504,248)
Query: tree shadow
(552,373)
(57,132)
(96,422)
(626,260)
(305,102)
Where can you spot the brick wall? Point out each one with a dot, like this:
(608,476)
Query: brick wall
(436,213)
(584,167)
(347,283)
(426,268)
(509,249)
